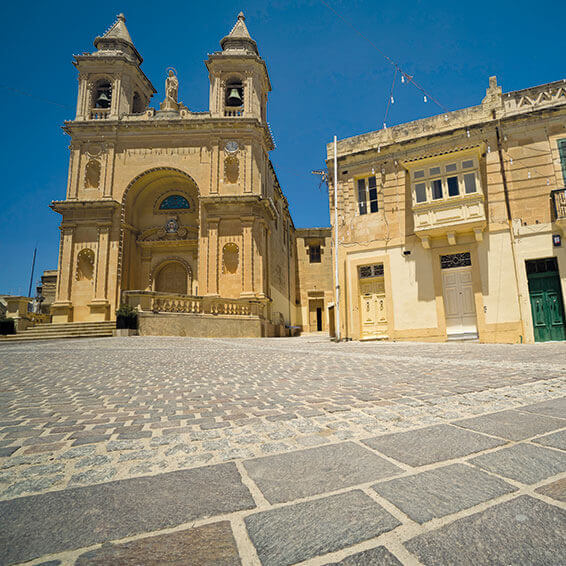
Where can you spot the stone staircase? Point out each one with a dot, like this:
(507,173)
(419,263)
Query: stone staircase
(63,330)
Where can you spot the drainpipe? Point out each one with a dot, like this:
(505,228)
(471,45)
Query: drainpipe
(510,223)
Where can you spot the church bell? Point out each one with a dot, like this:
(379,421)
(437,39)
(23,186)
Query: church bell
(103,100)
(234,98)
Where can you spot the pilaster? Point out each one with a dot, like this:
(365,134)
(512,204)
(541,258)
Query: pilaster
(248,257)
(212,270)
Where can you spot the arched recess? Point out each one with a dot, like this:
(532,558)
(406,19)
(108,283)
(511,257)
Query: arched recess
(172,275)
(145,238)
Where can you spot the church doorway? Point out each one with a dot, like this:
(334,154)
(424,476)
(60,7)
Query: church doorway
(172,278)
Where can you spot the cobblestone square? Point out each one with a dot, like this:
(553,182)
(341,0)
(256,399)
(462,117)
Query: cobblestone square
(168,444)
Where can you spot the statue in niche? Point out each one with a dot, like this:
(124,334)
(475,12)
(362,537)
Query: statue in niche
(171,92)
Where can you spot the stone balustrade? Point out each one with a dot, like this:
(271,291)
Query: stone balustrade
(173,303)
(99,113)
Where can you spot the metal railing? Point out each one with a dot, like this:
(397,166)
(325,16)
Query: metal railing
(559,200)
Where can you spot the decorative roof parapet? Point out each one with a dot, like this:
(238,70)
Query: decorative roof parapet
(506,105)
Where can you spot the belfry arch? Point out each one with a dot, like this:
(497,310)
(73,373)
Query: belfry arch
(160,226)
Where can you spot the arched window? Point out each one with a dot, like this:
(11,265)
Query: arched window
(138,104)
(174,202)
(234,93)
(102,94)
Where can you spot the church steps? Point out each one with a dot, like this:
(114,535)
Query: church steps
(64,330)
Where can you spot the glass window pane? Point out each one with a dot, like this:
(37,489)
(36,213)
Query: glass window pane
(468,164)
(451,168)
(418,174)
(420,192)
(373,194)
(470,182)
(434,171)
(453,189)
(436,187)
(371,182)
(373,206)
(362,196)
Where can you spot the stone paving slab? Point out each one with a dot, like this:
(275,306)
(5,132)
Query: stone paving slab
(512,425)
(522,531)
(552,408)
(60,520)
(212,544)
(442,491)
(554,440)
(431,444)
(556,490)
(379,556)
(150,406)
(303,473)
(294,533)
(524,463)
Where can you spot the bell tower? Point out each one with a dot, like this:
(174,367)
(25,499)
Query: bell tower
(239,82)
(111,82)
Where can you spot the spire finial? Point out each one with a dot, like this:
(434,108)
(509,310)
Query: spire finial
(241,16)
(121,17)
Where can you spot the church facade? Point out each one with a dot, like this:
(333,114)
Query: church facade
(178,213)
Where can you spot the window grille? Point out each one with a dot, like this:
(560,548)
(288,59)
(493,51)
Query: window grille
(367,271)
(546,265)
(174,202)
(455,260)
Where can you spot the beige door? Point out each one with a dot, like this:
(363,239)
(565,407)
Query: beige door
(373,309)
(172,278)
(459,304)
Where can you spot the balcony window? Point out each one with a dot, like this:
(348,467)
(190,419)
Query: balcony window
(442,182)
(367,191)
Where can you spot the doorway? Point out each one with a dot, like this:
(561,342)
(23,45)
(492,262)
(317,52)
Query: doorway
(547,305)
(316,320)
(459,303)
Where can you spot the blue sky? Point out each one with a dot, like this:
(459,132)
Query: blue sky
(326,80)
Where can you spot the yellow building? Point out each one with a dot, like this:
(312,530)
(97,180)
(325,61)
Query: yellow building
(178,213)
(453,227)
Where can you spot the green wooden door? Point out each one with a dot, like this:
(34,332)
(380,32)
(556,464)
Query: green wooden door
(546,301)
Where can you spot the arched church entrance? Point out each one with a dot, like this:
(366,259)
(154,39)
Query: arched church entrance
(161,213)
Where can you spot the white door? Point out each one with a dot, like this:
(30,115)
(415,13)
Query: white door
(459,304)
(373,308)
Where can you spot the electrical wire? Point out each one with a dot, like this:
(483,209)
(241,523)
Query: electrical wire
(408,78)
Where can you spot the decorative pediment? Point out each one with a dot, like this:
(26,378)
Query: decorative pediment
(170,231)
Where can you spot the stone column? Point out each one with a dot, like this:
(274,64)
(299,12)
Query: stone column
(213,256)
(248,257)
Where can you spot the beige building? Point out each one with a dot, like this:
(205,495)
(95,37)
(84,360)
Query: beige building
(314,283)
(177,212)
(453,227)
